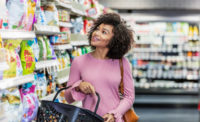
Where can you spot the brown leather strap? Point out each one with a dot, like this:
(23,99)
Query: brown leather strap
(121,86)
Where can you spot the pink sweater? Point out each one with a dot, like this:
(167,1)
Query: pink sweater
(105,76)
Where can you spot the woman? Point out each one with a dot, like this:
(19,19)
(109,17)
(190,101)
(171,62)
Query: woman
(100,70)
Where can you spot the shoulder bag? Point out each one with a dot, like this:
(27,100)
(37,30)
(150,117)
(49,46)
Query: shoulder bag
(130,115)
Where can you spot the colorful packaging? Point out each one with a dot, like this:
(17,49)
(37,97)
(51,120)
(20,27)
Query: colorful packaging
(30,103)
(48,47)
(51,14)
(16,12)
(12,105)
(3,15)
(31,7)
(42,46)
(13,59)
(36,49)
(40,85)
(27,57)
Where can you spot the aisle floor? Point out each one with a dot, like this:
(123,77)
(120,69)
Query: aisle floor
(167,114)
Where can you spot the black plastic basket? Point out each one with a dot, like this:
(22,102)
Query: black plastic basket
(50,111)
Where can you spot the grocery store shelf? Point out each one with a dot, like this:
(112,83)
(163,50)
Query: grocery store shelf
(79,39)
(166,99)
(171,50)
(3,66)
(66,5)
(17,34)
(63,80)
(46,63)
(79,43)
(49,97)
(63,47)
(65,24)
(46,30)
(187,78)
(78,9)
(174,91)
(12,82)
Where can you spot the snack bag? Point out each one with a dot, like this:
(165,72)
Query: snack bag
(48,47)
(30,102)
(27,57)
(42,46)
(13,60)
(36,49)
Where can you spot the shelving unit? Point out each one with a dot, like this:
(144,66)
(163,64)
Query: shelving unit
(12,82)
(65,24)
(17,34)
(63,47)
(46,30)
(46,63)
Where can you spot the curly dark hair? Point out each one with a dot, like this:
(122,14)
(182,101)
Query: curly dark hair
(122,40)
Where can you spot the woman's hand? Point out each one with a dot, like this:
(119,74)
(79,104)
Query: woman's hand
(109,118)
(86,88)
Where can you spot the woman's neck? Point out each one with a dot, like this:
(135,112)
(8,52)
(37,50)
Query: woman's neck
(100,53)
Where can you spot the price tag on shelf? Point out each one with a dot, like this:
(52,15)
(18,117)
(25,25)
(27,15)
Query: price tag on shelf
(17,34)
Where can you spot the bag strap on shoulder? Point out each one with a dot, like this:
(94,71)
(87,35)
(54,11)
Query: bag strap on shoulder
(121,86)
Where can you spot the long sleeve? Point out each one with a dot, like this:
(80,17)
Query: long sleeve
(129,93)
(71,94)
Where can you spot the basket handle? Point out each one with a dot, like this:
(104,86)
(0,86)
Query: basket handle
(98,101)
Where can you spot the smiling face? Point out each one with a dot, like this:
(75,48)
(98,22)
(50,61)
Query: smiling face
(102,36)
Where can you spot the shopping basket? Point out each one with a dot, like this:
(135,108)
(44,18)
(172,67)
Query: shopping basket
(51,111)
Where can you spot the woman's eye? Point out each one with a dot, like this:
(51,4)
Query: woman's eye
(104,32)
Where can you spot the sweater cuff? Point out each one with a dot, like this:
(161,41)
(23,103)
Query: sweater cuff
(117,116)
(72,94)
(77,95)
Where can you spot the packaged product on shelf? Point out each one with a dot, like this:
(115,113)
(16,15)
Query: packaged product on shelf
(65,35)
(51,14)
(51,84)
(3,15)
(27,57)
(40,16)
(42,46)
(77,25)
(31,7)
(36,49)
(16,13)
(13,60)
(40,85)
(63,59)
(12,105)
(54,39)
(87,25)
(30,102)
(64,16)
(49,48)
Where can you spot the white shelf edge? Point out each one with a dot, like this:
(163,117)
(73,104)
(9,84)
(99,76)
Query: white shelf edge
(64,5)
(17,34)
(63,80)
(79,43)
(49,97)
(65,24)
(46,29)
(62,47)
(12,82)
(46,63)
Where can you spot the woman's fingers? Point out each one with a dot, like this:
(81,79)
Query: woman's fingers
(87,88)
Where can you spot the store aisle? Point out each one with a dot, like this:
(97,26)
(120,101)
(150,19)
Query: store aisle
(167,114)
